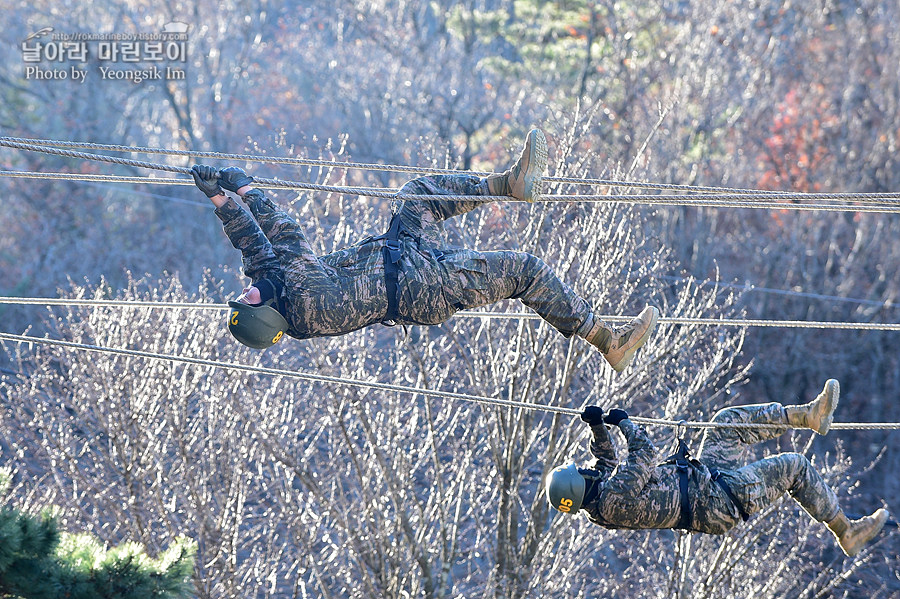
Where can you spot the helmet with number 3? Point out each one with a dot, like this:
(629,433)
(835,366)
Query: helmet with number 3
(565,489)
(260,325)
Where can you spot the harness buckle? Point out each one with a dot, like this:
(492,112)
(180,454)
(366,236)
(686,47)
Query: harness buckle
(394,250)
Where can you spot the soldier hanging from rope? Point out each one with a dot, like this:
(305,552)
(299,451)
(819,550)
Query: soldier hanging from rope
(714,492)
(405,276)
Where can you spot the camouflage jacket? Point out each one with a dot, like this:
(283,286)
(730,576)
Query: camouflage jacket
(641,493)
(339,292)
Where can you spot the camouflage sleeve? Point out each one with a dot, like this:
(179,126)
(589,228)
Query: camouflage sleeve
(289,243)
(246,236)
(631,477)
(602,449)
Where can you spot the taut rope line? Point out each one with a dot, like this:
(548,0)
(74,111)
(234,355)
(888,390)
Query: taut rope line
(407,389)
(770,200)
(413,169)
(736,322)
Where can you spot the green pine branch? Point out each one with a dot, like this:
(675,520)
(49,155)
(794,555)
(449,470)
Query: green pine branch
(39,562)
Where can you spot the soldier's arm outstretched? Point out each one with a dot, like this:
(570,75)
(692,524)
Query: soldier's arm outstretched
(296,256)
(243,232)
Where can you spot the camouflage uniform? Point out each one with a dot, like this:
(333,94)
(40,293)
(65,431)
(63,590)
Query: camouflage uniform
(640,493)
(345,290)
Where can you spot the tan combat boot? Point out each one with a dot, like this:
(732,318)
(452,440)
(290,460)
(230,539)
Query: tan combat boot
(618,345)
(819,413)
(524,181)
(851,535)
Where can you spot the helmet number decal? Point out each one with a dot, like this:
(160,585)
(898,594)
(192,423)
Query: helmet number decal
(278,337)
(565,505)
(234,315)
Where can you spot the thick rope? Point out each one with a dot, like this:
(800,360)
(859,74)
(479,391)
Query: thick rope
(356,165)
(238,157)
(736,322)
(765,200)
(272,183)
(407,169)
(411,390)
(734,201)
(183,170)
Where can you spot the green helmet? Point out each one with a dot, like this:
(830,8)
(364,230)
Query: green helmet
(258,327)
(565,489)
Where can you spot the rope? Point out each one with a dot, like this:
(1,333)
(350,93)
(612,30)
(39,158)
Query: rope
(756,200)
(237,157)
(183,170)
(804,324)
(45,301)
(412,390)
(733,201)
(400,168)
(790,293)
(355,165)
(306,376)
(271,183)
(94,177)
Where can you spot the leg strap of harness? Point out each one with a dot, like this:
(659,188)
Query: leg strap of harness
(717,476)
(681,459)
(392,253)
(684,523)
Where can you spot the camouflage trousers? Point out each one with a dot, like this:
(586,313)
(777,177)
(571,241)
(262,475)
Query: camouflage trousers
(459,279)
(760,483)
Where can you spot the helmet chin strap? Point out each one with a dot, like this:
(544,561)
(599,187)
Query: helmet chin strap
(592,484)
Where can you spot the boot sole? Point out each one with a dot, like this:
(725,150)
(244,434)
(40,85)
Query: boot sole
(629,353)
(537,164)
(835,394)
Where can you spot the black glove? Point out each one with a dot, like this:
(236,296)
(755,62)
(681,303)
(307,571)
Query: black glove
(205,179)
(233,178)
(615,416)
(593,415)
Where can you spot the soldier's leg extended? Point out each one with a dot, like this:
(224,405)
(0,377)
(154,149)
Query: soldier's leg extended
(422,218)
(760,483)
(726,447)
(523,181)
(481,278)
